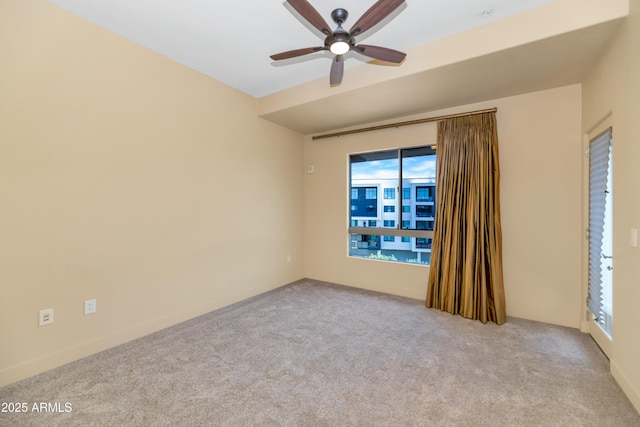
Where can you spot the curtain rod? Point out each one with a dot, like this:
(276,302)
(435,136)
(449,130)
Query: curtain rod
(407,123)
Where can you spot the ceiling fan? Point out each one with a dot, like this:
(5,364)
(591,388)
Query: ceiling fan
(340,41)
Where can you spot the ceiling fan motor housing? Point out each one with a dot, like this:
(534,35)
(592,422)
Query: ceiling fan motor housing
(339,16)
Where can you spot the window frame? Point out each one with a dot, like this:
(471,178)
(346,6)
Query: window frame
(397,230)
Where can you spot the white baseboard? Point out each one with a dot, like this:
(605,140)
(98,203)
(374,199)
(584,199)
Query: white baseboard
(632,393)
(584,326)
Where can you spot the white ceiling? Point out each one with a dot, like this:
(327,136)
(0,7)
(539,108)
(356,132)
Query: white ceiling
(231,40)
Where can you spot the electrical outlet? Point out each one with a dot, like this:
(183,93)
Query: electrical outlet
(90,306)
(45,317)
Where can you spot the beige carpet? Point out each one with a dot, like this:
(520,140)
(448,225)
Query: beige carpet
(315,354)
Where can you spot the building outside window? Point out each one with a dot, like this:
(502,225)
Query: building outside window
(409,214)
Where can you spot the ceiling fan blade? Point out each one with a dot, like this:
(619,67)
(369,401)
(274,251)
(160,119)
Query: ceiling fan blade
(337,70)
(381,53)
(311,15)
(294,53)
(376,13)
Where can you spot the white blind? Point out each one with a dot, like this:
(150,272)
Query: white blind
(598,172)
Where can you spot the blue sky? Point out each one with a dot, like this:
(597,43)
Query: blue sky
(412,167)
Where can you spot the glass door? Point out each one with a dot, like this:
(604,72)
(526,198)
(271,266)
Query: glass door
(600,297)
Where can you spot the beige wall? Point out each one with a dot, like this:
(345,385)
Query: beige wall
(613,88)
(540,156)
(131,179)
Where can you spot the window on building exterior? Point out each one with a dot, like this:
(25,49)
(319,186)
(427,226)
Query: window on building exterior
(425,210)
(371,193)
(406,179)
(425,194)
(424,225)
(364,202)
(423,243)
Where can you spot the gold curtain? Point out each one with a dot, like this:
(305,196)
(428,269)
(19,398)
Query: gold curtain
(465,276)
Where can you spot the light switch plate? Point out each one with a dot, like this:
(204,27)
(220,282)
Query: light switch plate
(90,306)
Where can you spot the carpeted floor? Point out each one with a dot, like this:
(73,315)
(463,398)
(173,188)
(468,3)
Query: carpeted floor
(316,354)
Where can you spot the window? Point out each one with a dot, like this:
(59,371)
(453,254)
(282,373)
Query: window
(423,243)
(424,225)
(371,193)
(363,202)
(425,194)
(409,169)
(424,211)
(365,242)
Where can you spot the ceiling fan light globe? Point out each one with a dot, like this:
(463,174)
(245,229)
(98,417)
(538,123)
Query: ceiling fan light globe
(339,48)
